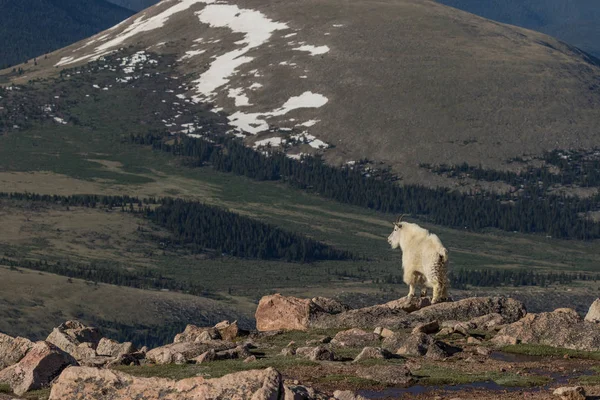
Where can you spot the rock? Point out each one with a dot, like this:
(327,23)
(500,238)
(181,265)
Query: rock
(207,356)
(461,328)
(193,333)
(365,318)
(319,353)
(287,313)
(560,328)
(330,306)
(288,351)
(472,340)
(229,331)
(421,344)
(42,363)
(99,361)
(383,332)
(593,314)
(392,375)
(570,393)
(125,359)
(370,353)
(12,350)
(409,304)
(354,338)
(427,327)
(393,342)
(70,335)
(109,347)
(298,392)
(346,395)
(250,359)
(464,310)
(83,383)
(445,331)
(483,351)
(189,350)
(487,322)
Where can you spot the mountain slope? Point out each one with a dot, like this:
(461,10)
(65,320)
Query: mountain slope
(575,22)
(400,81)
(135,5)
(31,28)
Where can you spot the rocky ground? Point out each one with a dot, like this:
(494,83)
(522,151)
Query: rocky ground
(476,348)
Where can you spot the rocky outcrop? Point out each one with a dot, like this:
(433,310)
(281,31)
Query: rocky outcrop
(409,304)
(75,338)
(287,313)
(84,383)
(366,318)
(12,350)
(593,314)
(193,333)
(560,328)
(354,338)
(185,351)
(42,363)
(464,310)
(330,306)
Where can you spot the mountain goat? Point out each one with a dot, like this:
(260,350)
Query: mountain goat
(424,259)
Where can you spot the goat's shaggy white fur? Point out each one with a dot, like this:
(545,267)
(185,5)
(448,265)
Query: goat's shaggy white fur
(424,259)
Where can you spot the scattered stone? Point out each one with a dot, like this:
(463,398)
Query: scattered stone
(421,344)
(330,306)
(446,331)
(427,327)
(42,363)
(229,331)
(193,333)
(472,340)
(288,351)
(189,350)
(12,350)
(207,356)
(354,338)
(250,359)
(319,353)
(287,313)
(409,304)
(370,353)
(570,393)
(463,329)
(383,332)
(560,328)
(487,322)
(84,383)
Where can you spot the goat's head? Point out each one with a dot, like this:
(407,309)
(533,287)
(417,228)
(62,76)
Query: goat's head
(394,238)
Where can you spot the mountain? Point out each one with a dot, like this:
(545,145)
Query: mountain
(135,5)
(30,28)
(575,22)
(402,82)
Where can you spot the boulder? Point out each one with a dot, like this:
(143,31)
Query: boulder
(189,350)
(347,395)
(560,328)
(570,393)
(421,344)
(319,353)
(70,335)
(593,314)
(288,351)
(42,363)
(427,327)
(230,331)
(487,322)
(12,350)
(286,313)
(112,348)
(354,338)
(464,310)
(393,342)
(330,306)
(409,304)
(366,318)
(84,383)
(193,333)
(383,332)
(372,353)
(298,392)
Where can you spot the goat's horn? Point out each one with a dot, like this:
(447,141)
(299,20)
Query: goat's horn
(399,218)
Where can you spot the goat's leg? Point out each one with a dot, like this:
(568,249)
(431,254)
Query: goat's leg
(411,290)
(424,291)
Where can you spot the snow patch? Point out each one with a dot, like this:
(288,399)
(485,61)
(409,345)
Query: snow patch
(274,142)
(241,99)
(191,53)
(313,50)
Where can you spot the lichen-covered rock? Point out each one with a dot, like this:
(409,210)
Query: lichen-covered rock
(112,348)
(487,322)
(319,353)
(42,363)
(83,383)
(383,332)
(409,304)
(12,350)
(330,306)
(464,310)
(70,336)
(278,312)
(354,338)
(230,331)
(193,333)
(189,350)
(560,328)
(372,353)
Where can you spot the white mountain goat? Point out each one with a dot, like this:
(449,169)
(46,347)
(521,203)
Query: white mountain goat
(424,259)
